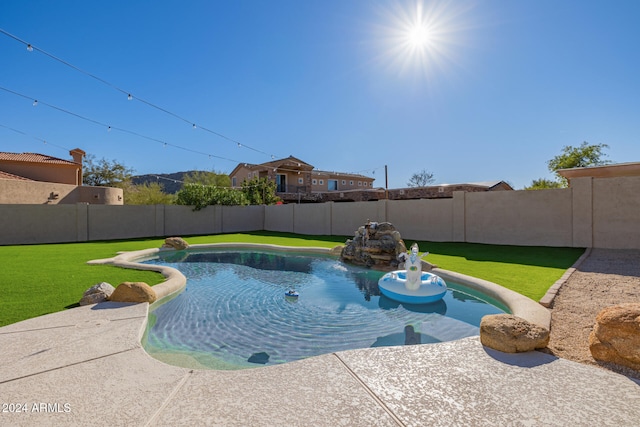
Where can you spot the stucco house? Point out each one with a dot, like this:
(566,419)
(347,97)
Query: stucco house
(34,178)
(299,181)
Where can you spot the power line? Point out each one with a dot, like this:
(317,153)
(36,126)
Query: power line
(34,137)
(129,94)
(109,127)
(149,138)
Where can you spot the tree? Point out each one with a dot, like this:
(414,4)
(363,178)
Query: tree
(577,157)
(103,172)
(543,184)
(421,179)
(260,191)
(201,196)
(571,157)
(149,193)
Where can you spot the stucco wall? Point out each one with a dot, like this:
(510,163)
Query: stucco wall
(237,219)
(616,213)
(428,219)
(25,224)
(120,222)
(312,219)
(347,217)
(51,193)
(533,218)
(184,221)
(279,218)
(601,212)
(64,174)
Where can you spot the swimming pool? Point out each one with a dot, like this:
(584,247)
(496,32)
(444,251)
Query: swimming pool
(234,313)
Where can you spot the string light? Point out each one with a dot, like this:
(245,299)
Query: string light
(129,95)
(35,102)
(30,48)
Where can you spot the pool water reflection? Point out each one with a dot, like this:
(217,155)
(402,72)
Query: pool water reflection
(234,312)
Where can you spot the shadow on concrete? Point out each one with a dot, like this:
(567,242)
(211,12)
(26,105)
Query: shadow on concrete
(529,359)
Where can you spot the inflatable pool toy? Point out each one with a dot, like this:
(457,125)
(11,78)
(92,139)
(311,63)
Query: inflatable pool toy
(394,285)
(291,293)
(412,285)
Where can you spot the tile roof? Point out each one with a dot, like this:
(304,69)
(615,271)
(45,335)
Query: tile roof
(6,175)
(33,158)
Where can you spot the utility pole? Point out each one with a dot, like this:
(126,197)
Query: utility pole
(386,182)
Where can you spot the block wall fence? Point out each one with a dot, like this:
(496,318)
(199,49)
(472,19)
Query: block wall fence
(593,212)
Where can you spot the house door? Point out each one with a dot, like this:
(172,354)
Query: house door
(281,183)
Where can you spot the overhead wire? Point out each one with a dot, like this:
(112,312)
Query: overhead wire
(129,94)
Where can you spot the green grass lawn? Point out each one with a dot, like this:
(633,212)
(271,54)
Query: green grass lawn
(41,279)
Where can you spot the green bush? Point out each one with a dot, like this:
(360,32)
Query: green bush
(200,196)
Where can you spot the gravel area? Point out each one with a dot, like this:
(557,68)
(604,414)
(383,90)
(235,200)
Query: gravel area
(606,277)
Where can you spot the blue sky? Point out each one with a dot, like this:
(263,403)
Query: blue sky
(493,90)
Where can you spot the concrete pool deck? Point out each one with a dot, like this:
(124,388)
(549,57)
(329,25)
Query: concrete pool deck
(86,366)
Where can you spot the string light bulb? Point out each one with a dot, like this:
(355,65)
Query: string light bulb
(129,97)
(35,102)
(30,48)
(194,126)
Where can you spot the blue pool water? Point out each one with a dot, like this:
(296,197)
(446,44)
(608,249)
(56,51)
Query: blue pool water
(234,312)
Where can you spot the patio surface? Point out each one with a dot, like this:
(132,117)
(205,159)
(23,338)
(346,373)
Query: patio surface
(85,366)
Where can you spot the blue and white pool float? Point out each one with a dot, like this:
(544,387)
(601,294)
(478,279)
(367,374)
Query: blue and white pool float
(394,285)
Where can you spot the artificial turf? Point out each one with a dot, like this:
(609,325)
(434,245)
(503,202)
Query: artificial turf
(42,279)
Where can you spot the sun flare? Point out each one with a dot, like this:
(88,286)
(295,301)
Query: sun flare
(419,36)
(422,37)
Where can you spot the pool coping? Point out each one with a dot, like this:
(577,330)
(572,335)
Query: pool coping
(86,366)
(519,305)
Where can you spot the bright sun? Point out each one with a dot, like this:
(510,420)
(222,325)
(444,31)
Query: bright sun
(421,36)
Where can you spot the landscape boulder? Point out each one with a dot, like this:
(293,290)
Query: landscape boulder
(177,243)
(133,292)
(97,293)
(616,335)
(512,334)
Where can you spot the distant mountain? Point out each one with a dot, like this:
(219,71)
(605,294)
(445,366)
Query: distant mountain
(171,182)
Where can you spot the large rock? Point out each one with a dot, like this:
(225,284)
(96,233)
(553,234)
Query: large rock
(177,243)
(375,245)
(512,334)
(616,335)
(133,292)
(97,293)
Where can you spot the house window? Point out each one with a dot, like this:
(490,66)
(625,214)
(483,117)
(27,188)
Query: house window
(314,181)
(359,183)
(281,183)
(321,182)
(300,180)
(344,182)
(350,182)
(332,184)
(234,182)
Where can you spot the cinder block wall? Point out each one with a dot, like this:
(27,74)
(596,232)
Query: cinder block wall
(594,212)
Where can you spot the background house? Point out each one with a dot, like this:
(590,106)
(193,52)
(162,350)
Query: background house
(33,178)
(41,167)
(299,181)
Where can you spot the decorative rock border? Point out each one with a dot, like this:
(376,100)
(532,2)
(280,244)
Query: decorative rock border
(547,299)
